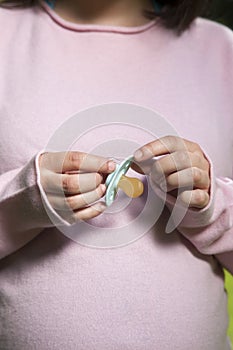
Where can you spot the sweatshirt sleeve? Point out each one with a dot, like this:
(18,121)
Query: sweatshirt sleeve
(209,229)
(24,208)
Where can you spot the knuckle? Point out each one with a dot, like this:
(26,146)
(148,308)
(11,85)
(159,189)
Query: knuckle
(70,202)
(199,158)
(65,183)
(184,158)
(200,197)
(170,141)
(170,138)
(75,157)
(176,160)
(68,184)
(97,194)
(148,149)
(197,147)
(206,164)
(197,174)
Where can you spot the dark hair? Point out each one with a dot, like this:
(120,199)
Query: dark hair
(174,14)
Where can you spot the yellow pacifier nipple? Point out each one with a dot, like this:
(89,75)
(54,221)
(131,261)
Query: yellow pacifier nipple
(132,186)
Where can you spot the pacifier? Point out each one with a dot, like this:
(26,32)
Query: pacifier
(131,186)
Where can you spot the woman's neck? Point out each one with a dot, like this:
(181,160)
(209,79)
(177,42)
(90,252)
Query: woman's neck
(127,13)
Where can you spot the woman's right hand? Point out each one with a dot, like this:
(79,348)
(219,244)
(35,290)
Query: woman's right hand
(73,181)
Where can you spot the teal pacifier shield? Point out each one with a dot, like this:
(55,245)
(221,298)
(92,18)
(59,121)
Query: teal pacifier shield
(114,178)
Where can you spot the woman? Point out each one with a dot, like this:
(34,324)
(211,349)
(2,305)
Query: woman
(161,291)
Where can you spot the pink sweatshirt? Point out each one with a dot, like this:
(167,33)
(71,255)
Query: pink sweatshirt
(161,291)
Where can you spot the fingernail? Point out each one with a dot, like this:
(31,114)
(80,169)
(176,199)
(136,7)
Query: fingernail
(111,165)
(138,155)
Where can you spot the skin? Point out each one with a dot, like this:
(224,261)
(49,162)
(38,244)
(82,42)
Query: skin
(104,12)
(181,165)
(73,181)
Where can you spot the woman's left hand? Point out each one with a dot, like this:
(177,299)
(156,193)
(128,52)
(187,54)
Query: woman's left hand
(183,165)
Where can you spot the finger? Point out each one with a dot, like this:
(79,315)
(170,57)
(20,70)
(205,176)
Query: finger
(195,198)
(83,214)
(143,167)
(177,161)
(78,201)
(90,212)
(61,162)
(191,178)
(164,145)
(71,183)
